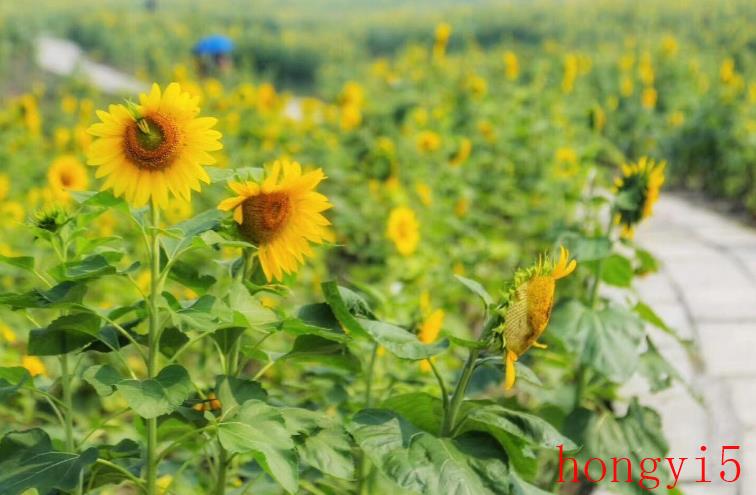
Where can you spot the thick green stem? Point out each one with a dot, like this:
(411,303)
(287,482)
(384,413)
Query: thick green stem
(68,413)
(459,393)
(153,347)
(220,486)
(369,384)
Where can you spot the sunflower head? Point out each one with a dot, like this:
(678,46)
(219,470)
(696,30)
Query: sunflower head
(281,215)
(50,218)
(528,304)
(154,149)
(403,230)
(636,193)
(66,174)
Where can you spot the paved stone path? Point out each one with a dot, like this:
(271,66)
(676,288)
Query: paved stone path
(65,58)
(706,290)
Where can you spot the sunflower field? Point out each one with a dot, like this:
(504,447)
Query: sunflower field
(389,248)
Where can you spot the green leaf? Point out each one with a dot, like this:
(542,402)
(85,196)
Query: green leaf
(477,289)
(126,454)
(226,337)
(400,342)
(345,305)
(298,327)
(259,429)
(23,262)
(187,275)
(321,442)
(160,395)
(103,378)
(467,343)
(422,410)
(312,348)
(62,294)
(589,248)
(171,340)
(505,424)
(607,340)
(637,435)
(472,464)
(27,460)
(250,308)
(65,334)
(232,391)
(12,379)
(617,270)
(198,316)
(658,371)
(95,266)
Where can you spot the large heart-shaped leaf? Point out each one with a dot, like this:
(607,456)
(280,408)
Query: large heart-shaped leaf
(27,460)
(321,441)
(63,294)
(160,395)
(607,340)
(65,334)
(103,378)
(472,464)
(422,410)
(259,429)
(400,342)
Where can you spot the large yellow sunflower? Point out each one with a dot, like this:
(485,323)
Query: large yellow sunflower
(637,191)
(404,230)
(281,215)
(67,174)
(156,148)
(528,308)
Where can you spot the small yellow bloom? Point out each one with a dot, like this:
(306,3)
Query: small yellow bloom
(511,65)
(7,334)
(461,207)
(4,186)
(428,141)
(67,174)
(34,365)
(640,185)
(11,213)
(431,326)
(648,98)
(424,192)
(676,118)
(403,229)
(463,153)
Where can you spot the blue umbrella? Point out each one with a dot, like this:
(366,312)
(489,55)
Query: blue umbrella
(214,45)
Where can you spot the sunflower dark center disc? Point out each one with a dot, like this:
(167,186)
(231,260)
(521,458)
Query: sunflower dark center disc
(264,216)
(152,143)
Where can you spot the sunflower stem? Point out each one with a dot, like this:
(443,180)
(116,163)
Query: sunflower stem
(152,344)
(459,393)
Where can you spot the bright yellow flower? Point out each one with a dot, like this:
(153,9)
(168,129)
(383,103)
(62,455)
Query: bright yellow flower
(511,65)
(476,85)
(11,213)
(676,118)
(461,207)
(281,215)
(669,45)
(7,334)
(431,326)
(155,149)
(4,186)
(529,306)
(648,98)
(352,94)
(626,86)
(463,152)
(68,104)
(727,70)
(403,230)
(639,185)
(351,117)
(34,365)
(428,141)
(67,174)
(424,192)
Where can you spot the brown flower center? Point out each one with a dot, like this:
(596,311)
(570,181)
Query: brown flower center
(264,216)
(152,142)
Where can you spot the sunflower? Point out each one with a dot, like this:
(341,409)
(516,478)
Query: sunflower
(153,149)
(637,191)
(281,215)
(528,307)
(403,230)
(67,174)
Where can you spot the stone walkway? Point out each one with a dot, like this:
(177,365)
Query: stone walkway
(706,290)
(65,58)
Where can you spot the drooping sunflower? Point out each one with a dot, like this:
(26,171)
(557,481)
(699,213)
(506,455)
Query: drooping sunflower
(155,149)
(66,174)
(528,305)
(281,215)
(637,191)
(403,229)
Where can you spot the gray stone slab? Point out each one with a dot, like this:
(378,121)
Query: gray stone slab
(728,348)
